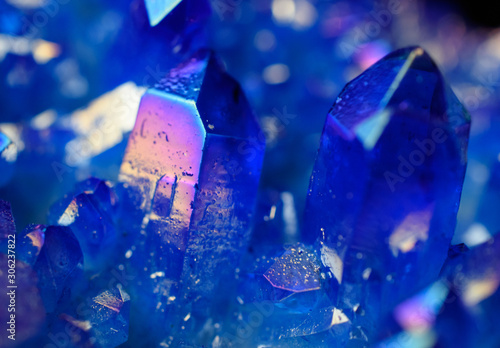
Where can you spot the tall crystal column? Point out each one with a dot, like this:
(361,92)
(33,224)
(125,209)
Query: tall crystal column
(386,184)
(191,170)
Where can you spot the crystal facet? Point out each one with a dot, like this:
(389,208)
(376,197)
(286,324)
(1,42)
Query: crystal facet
(158,9)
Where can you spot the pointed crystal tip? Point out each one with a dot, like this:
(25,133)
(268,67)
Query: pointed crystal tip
(159,9)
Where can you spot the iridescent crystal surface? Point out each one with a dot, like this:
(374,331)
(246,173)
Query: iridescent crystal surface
(191,173)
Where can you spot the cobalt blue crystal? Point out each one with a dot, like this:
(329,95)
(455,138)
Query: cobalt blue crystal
(474,276)
(59,257)
(28,307)
(412,322)
(190,175)
(158,9)
(108,318)
(386,184)
(89,212)
(30,242)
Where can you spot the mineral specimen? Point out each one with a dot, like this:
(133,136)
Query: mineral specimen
(157,10)
(190,175)
(386,184)
(89,212)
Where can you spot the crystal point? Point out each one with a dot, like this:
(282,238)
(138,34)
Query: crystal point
(386,184)
(109,320)
(59,257)
(159,9)
(89,211)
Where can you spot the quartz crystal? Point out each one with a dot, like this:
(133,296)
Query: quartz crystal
(89,212)
(158,9)
(458,310)
(385,188)
(190,173)
(108,318)
(30,242)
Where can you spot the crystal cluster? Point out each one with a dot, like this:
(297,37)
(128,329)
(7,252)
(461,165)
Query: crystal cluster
(163,237)
(191,177)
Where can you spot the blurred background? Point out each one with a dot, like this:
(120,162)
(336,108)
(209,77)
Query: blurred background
(72,73)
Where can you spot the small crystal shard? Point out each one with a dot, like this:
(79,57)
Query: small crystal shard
(109,319)
(190,175)
(59,257)
(89,214)
(158,9)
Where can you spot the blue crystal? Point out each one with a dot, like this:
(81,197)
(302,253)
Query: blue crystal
(65,148)
(386,185)
(101,320)
(280,303)
(60,256)
(89,212)
(456,327)
(158,9)
(460,310)
(296,270)
(190,175)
